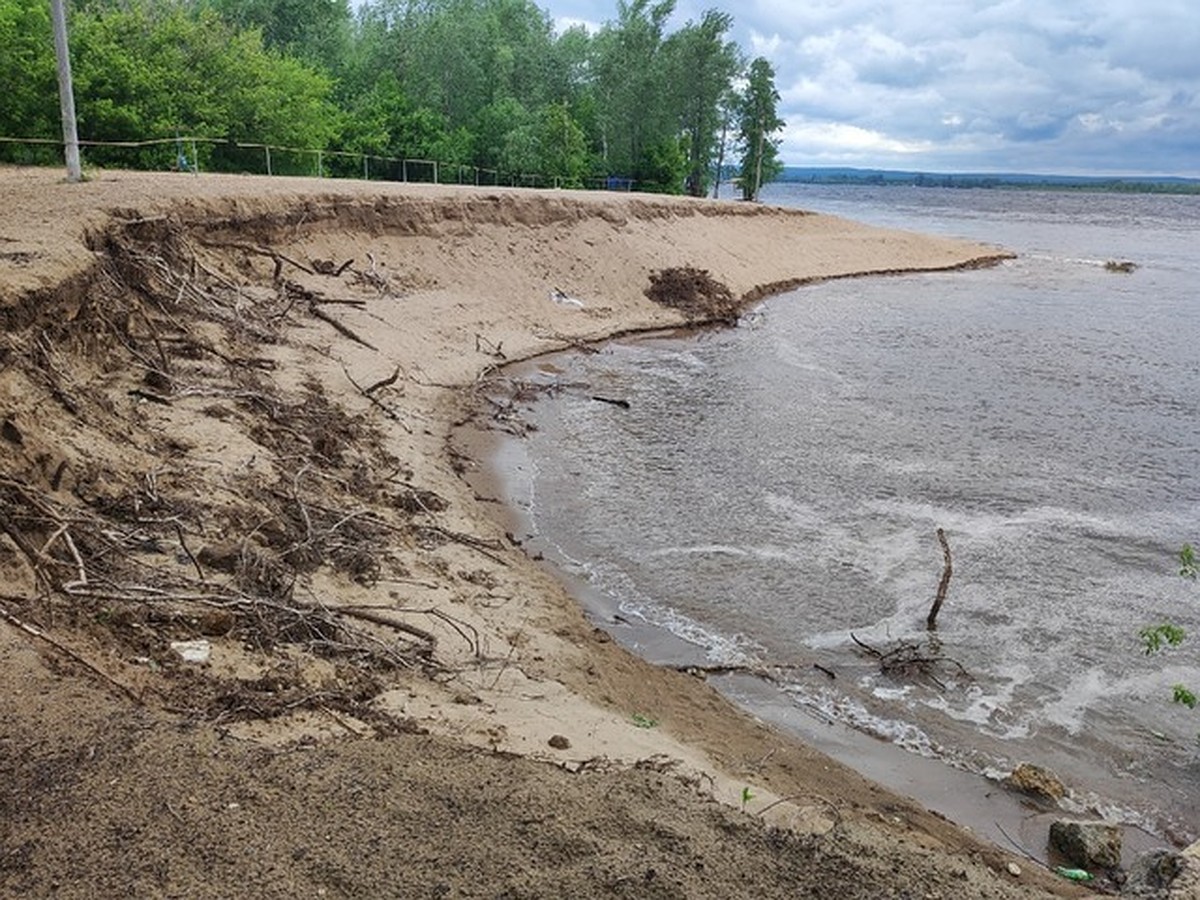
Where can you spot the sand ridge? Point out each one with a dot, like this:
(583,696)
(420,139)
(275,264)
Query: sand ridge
(276,367)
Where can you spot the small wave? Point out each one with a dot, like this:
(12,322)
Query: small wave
(720,649)
(848,711)
(767,554)
(991,713)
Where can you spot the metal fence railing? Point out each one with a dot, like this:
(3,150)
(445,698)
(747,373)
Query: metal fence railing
(196,154)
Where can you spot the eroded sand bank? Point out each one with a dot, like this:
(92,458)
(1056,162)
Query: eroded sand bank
(228,405)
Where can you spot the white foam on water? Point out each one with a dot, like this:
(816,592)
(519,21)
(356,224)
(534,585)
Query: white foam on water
(986,524)
(1096,689)
(799,515)
(992,711)
(893,694)
(1076,696)
(616,585)
(795,357)
(762,554)
(719,649)
(851,712)
(674,366)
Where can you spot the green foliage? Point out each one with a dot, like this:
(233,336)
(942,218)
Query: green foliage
(631,80)
(153,70)
(758,121)
(29,100)
(1187,561)
(1154,636)
(1168,634)
(663,166)
(747,796)
(318,32)
(560,146)
(703,64)
(483,83)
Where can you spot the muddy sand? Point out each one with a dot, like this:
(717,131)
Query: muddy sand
(229,408)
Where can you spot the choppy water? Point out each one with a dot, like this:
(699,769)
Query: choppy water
(777,486)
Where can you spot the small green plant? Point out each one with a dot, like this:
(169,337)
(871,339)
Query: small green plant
(642,721)
(1154,636)
(747,796)
(1184,696)
(1187,562)
(1168,634)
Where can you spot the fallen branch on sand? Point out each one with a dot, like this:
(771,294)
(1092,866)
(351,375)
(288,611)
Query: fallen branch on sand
(35,632)
(369,393)
(317,312)
(279,258)
(479,545)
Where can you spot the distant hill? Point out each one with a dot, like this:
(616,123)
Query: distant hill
(1138,183)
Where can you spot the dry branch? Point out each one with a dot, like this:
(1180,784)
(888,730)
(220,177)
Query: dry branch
(338,326)
(480,545)
(369,614)
(279,258)
(906,660)
(367,392)
(382,383)
(67,651)
(772,674)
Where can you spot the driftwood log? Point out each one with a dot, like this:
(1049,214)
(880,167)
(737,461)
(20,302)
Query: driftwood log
(943,585)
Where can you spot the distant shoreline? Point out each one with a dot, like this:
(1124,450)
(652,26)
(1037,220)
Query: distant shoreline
(1134,184)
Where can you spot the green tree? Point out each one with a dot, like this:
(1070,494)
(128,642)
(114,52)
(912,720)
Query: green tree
(562,145)
(758,122)
(384,122)
(635,117)
(153,70)
(318,32)
(458,56)
(475,82)
(703,63)
(29,100)
(727,109)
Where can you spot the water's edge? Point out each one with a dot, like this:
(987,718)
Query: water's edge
(973,801)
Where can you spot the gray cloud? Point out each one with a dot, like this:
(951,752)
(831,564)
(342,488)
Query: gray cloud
(1105,86)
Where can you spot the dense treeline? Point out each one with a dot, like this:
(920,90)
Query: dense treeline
(469,83)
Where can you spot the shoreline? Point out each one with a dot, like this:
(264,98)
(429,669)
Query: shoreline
(968,798)
(456,278)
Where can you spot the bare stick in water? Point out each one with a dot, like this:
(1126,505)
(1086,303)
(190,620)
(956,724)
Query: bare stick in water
(943,586)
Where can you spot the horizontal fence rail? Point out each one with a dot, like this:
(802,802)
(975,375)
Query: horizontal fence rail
(223,155)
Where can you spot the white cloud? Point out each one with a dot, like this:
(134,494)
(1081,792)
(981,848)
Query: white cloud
(761,45)
(566,23)
(1110,86)
(833,138)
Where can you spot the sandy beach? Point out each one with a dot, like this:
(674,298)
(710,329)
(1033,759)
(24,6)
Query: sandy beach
(236,422)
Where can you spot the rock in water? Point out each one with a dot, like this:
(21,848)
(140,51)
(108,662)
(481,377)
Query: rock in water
(1037,782)
(1152,874)
(1087,844)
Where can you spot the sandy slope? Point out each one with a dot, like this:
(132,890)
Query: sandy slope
(206,437)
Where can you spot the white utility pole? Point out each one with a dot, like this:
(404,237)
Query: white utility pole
(66,93)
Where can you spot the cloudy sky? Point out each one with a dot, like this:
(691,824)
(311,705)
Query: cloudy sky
(1048,86)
